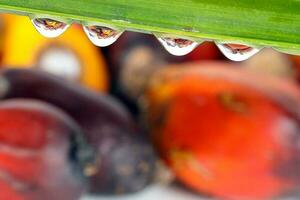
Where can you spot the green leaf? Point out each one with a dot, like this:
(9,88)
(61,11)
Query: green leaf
(274,23)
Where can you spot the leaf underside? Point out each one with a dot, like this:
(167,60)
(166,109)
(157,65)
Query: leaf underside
(274,23)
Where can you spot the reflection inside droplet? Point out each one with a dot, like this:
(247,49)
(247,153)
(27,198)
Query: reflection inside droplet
(49,27)
(237,52)
(178,46)
(102,36)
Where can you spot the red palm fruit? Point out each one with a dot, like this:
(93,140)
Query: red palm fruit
(227,132)
(205,51)
(126,160)
(296,62)
(7,192)
(40,153)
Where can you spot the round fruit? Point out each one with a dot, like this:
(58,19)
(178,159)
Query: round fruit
(227,132)
(40,153)
(126,161)
(71,56)
(271,62)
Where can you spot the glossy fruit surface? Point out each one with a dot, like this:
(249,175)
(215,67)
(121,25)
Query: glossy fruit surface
(125,160)
(39,153)
(227,132)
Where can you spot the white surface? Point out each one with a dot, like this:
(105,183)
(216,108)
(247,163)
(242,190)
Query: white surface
(163,192)
(155,192)
(61,61)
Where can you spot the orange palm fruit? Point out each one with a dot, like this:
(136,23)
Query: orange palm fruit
(225,131)
(71,55)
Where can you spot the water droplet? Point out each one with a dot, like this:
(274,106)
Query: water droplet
(48,27)
(237,52)
(102,36)
(177,46)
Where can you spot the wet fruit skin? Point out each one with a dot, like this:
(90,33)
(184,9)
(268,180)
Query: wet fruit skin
(126,161)
(226,132)
(36,144)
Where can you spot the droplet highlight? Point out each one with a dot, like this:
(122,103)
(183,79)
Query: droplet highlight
(237,52)
(102,36)
(49,27)
(177,46)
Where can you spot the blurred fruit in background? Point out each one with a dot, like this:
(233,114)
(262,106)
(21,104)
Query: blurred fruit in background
(225,131)
(39,153)
(137,68)
(271,62)
(125,158)
(126,163)
(296,62)
(139,60)
(135,57)
(205,51)
(71,56)
(2,28)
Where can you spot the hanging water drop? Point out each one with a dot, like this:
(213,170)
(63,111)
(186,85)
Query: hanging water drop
(48,27)
(237,52)
(102,36)
(177,46)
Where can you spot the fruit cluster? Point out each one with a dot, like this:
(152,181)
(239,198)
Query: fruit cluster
(71,125)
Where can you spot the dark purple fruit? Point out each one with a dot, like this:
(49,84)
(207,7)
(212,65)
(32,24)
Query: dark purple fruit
(126,161)
(40,153)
